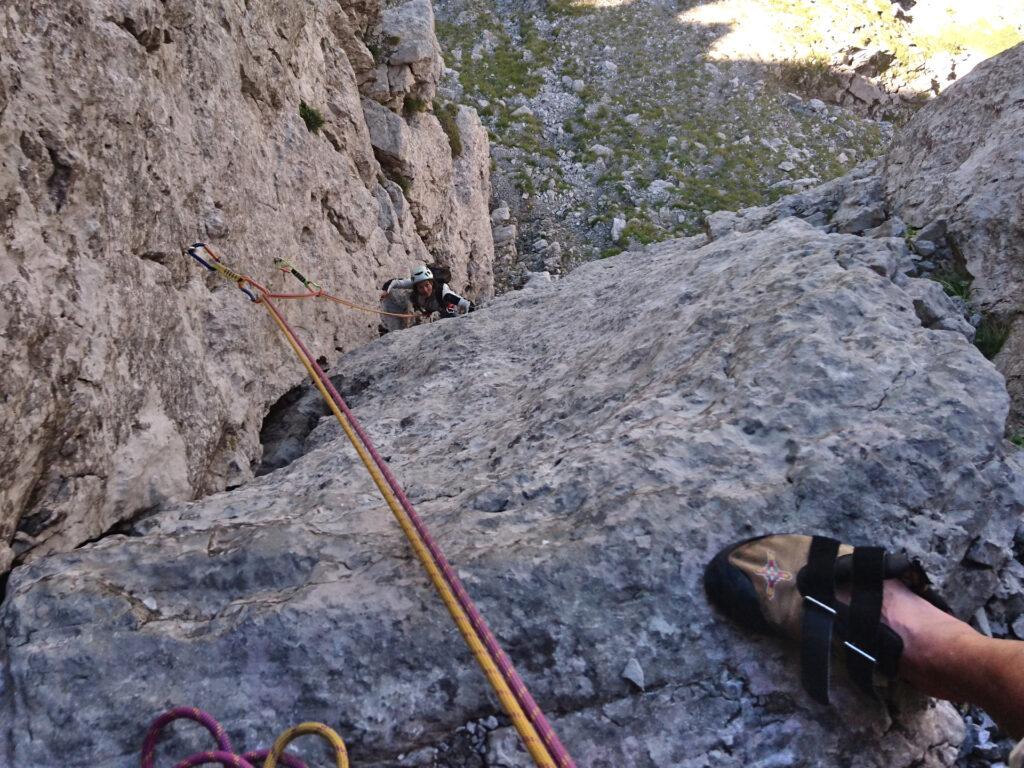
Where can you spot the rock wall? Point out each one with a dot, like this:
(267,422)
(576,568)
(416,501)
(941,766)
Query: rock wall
(129,130)
(948,198)
(958,170)
(580,450)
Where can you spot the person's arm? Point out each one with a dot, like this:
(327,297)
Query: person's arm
(448,296)
(395,284)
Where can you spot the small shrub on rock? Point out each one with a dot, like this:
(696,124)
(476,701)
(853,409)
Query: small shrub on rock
(413,104)
(991,334)
(446,114)
(311,117)
(404,183)
(955,284)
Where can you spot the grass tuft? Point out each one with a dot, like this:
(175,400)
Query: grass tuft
(991,334)
(413,104)
(404,183)
(446,113)
(956,284)
(311,117)
(811,77)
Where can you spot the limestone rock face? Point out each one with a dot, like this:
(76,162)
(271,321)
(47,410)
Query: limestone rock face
(580,450)
(961,159)
(447,199)
(129,130)
(411,66)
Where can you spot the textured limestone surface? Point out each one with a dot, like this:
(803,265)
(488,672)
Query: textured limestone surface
(580,450)
(961,159)
(127,130)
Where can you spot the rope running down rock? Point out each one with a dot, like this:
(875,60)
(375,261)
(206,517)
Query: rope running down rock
(536,733)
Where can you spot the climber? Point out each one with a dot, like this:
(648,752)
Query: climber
(431,296)
(879,610)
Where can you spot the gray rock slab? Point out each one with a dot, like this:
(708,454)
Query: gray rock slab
(961,160)
(579,476)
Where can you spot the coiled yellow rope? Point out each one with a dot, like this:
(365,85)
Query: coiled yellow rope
(303,729)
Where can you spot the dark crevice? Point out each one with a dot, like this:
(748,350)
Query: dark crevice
(150,39)
(286,426)
(292,419)
(38,520)
(249,87)
(160,257)
(124,527)
(60,180)
(334,141)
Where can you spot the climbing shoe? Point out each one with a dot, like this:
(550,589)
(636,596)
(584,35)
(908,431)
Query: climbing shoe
(786,584)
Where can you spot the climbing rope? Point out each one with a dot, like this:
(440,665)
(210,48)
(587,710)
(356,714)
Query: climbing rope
(225,754)
(316,292)
(536,733)
(303,729)
(213,263)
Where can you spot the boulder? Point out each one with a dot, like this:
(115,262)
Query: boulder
(500,215)
(412,52)
(893,227)
(935,309)
(579,470)
(871,62)
(859,218)
(505,234)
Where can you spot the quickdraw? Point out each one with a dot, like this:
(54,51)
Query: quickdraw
(286,266)
(207,257)
(214,264)
(536,733)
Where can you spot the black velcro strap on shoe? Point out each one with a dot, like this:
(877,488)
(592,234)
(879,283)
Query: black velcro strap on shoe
(864,616)
(816,582)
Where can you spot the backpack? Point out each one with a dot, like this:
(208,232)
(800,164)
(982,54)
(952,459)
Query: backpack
(441,273)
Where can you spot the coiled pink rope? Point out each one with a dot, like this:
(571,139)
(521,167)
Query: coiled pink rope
(225,753)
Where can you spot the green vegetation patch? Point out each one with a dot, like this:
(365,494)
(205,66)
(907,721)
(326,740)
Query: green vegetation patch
(668,112)
(404,183)
(311,116)
(991,334)
(446,114)
(956,284)
(981,37)
(504,71)
(413,104)
(643,232)
(812,76)
(556,8)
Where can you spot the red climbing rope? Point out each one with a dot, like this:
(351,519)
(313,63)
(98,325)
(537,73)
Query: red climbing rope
(552,752)
(508,671)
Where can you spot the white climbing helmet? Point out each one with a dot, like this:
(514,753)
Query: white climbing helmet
(421,274)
